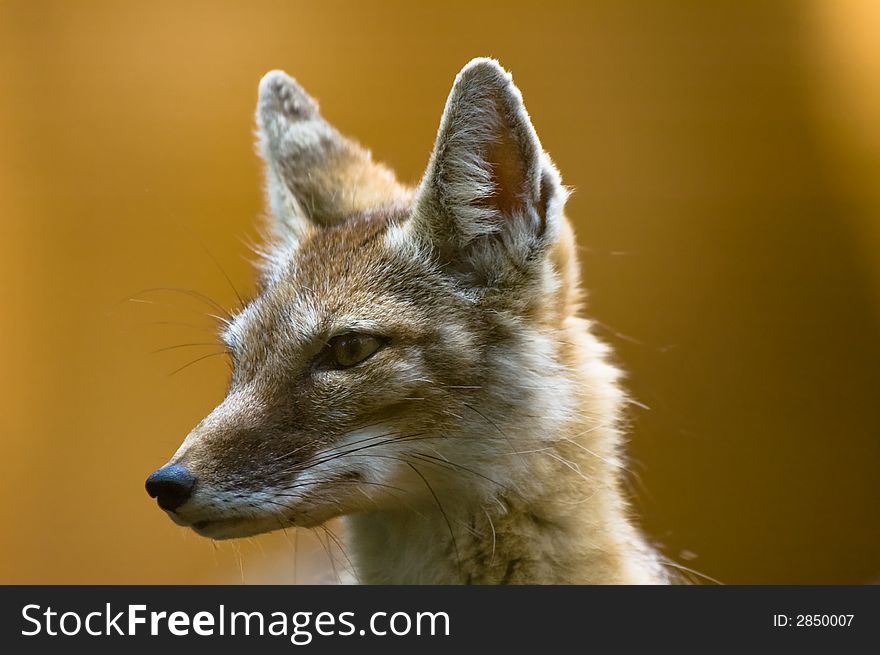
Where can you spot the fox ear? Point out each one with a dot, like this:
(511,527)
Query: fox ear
(314,175)
(490,194)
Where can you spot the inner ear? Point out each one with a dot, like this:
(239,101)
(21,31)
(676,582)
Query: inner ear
(508,173)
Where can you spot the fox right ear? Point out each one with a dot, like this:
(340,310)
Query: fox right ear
(490,203)
(314,175)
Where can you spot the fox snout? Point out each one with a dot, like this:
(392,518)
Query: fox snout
(171,486)
(215,455)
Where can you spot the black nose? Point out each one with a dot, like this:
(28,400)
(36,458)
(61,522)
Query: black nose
(171,486)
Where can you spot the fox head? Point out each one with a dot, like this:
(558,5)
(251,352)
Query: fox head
(404,343)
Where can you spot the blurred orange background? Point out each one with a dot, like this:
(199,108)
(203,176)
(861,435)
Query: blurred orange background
(725,158)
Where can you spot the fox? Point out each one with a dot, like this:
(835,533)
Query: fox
(416,362)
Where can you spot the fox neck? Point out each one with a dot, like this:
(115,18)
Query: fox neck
(565,521)
(511,543)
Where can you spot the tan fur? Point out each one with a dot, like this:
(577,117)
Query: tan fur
(481,442)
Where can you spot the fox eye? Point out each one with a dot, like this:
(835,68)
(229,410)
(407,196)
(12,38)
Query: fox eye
(347,350)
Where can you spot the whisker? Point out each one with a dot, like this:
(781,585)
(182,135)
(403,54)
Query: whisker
(142,301)
(221,269)
(681,567)
(196,361)
(492,423)
(461,467)
(357,429)
(310,464)
(338,542)
(307,483)
(491,525)
(198,295)
(594,454)
(183,324)
(442,512)
(186,345)
(330,558)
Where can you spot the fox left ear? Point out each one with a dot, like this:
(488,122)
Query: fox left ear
(490,194)
(315,176)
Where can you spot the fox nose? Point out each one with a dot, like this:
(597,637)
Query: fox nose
(171,486)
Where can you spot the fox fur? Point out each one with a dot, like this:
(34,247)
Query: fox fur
(481,441)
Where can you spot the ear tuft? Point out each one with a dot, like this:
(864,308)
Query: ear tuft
(281,96)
